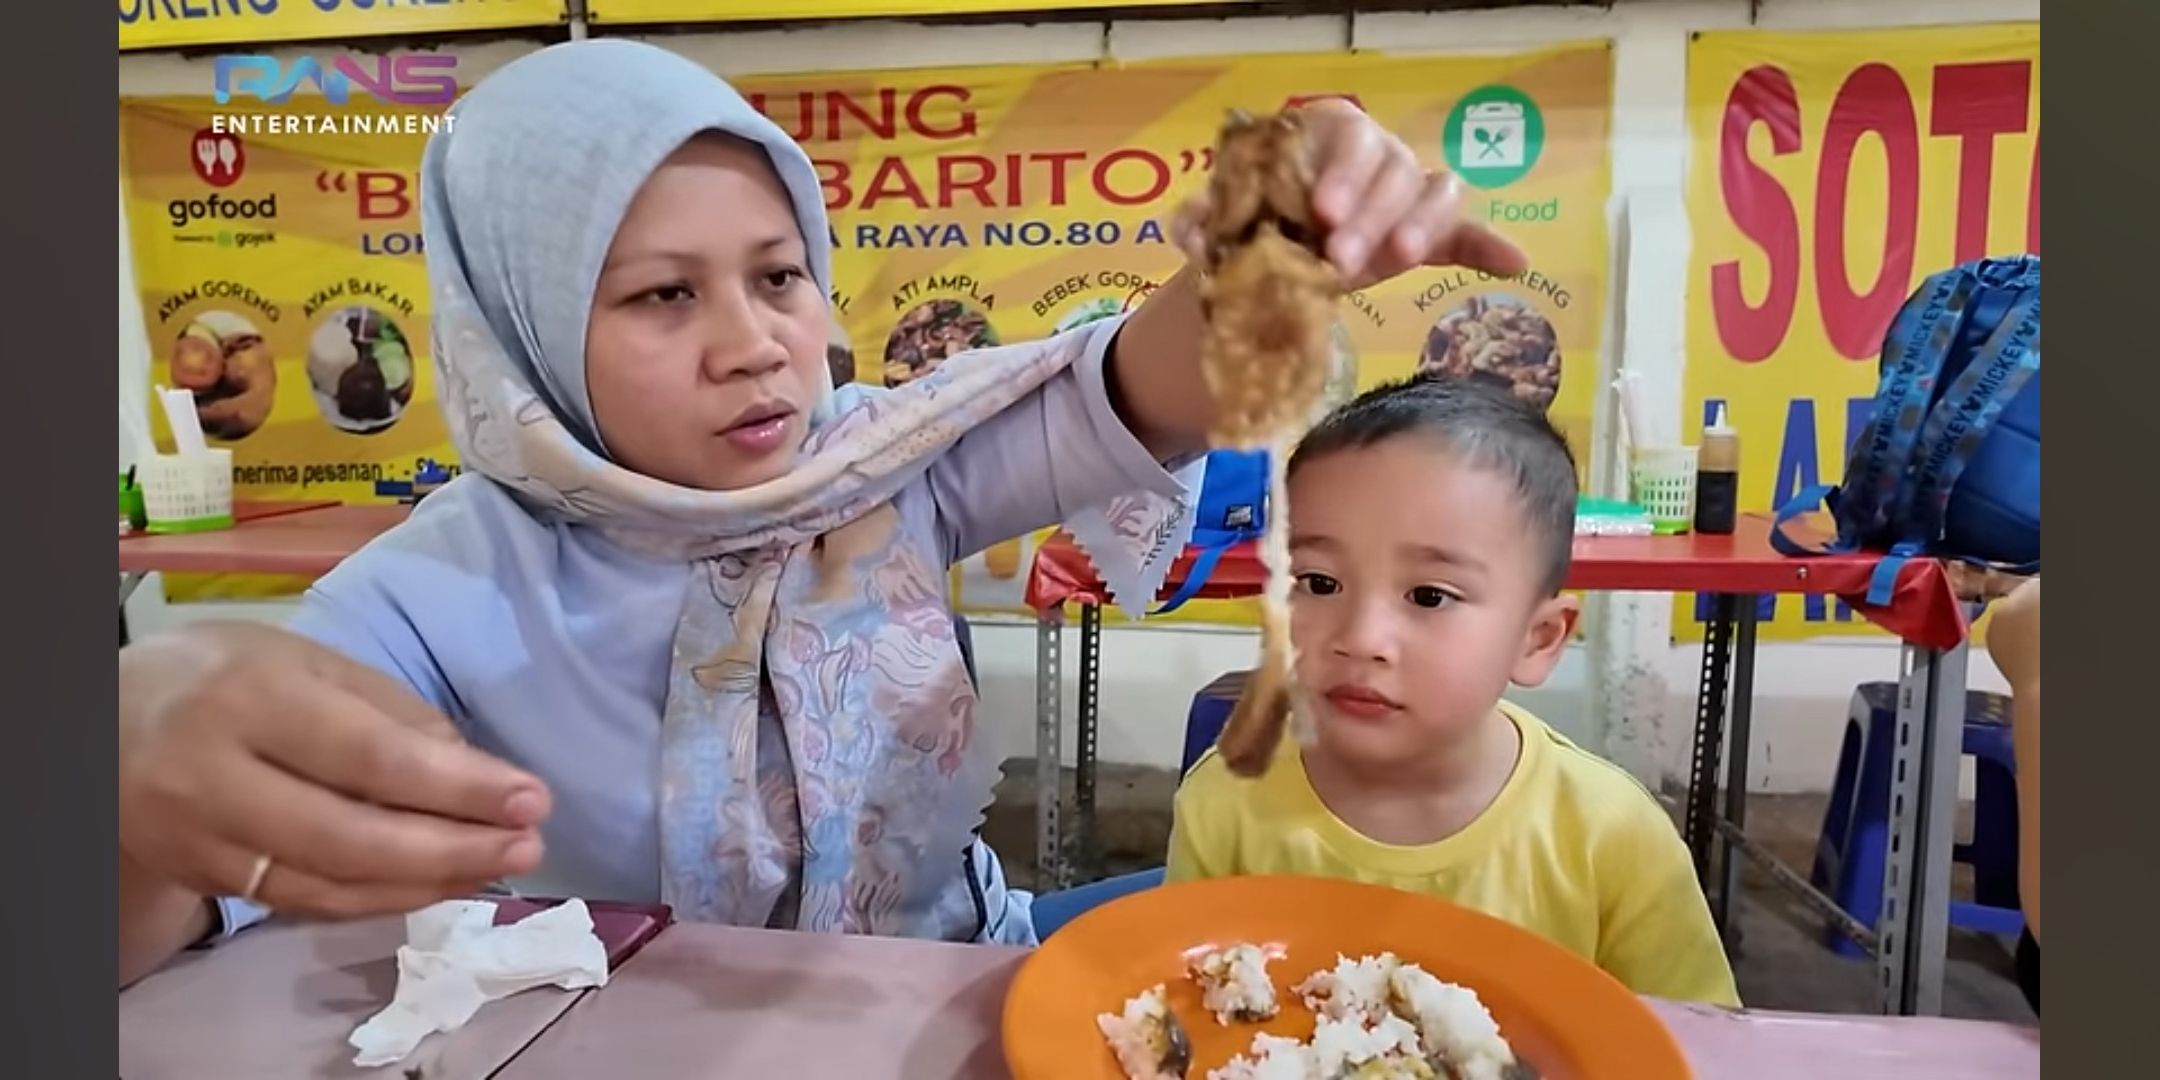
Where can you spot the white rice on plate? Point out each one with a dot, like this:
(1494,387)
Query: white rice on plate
(1452,1023)
(1234,982)
(1377,1018)
(1147,1039)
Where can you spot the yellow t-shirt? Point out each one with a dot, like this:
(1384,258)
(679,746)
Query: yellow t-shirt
(1572,848)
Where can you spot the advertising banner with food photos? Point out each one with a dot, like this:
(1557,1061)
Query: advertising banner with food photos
(1829,174)
(282,282)
(984,205)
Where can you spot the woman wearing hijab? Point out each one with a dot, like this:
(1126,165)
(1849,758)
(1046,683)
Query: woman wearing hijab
(680,632)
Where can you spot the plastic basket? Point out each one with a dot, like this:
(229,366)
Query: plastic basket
(187,494)
(1663,480)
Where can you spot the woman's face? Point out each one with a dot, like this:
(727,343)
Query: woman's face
(705,353)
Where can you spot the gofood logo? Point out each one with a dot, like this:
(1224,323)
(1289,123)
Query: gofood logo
(401,79)
(186,212)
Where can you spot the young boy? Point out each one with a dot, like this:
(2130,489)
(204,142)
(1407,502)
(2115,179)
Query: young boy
(1431,523)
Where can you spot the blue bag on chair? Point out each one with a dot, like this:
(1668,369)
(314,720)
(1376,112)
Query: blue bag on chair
(1949,464)
(1232,510)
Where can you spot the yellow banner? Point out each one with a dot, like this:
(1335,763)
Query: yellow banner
(172,24)
(604,12)
(1830,173)
(983,205)
(282,281)
(969,206)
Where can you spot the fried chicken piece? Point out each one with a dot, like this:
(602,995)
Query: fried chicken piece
(1270,302)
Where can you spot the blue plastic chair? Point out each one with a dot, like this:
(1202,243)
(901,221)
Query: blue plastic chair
(1053,910)
(1210,711)
(1855,833)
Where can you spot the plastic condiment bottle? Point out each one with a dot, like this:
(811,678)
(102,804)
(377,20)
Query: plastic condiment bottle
(1717,478)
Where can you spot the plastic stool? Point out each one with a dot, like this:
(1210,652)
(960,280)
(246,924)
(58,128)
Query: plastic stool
(1855,835)
(1210,711)
(1053,910)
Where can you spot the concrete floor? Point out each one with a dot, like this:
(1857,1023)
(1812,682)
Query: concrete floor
(1782,961)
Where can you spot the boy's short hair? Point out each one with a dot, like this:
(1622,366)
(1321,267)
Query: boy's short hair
(1489,427)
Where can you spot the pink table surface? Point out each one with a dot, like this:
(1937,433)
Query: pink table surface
(280,1000)
(713,1002)
(704,1001)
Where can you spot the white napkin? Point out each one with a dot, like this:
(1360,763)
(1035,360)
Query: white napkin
(455,959)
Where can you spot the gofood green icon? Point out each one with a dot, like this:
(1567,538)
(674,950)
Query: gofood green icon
(1493,136)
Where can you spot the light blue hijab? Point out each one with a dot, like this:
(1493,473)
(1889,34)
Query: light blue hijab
(530,235)
(884,779)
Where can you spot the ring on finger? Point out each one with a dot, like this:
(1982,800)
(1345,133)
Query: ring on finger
(255,878)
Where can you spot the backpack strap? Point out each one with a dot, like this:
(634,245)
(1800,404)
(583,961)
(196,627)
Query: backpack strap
(1203,567)
(1804,502)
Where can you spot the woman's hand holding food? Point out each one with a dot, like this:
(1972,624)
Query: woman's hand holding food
(1384,213)
(254,762)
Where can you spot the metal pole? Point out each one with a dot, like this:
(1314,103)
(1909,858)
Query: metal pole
(1700,826)
(1736,762)
(1049,729)
(1087,724)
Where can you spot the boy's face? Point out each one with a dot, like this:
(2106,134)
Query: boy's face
(1419,598)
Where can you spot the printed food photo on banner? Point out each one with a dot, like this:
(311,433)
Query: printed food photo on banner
(1830,173)
(361,369)
(224,360)
(282,275)
(929,333)
(972,206)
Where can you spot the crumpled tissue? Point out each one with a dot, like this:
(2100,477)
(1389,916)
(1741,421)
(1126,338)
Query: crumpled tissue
(455,959)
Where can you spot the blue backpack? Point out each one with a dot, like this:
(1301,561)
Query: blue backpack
(1948,466)
(1232,510)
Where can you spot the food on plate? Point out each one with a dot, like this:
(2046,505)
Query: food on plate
(930,334)
(1499,339)
(1339,1050)
(1270,301)
(1376,1018)
(1455,1032)
(361,368)
(1272,1057)
(1234,982)
(1149,1042)
(223,359)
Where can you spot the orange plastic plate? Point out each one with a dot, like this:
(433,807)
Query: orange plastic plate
(1564,1017)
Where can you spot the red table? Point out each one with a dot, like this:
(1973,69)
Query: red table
(305,540)
(1924,611)
(300,538)
(1736,570)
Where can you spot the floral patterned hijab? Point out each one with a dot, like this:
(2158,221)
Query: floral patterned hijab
(521,196)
